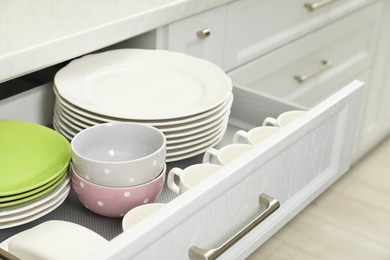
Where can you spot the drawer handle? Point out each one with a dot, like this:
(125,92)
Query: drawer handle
(271,205)
(204,33)
(314,6)
(4,255)
(325,65)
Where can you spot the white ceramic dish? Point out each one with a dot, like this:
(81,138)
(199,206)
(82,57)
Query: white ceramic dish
(15,209)
(186,153)
(73,125)
(143,84)
(135,215)
(86,118)
(55,239)
(35,210)
(33,217)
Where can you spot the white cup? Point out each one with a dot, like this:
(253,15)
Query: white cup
(137,214)
(226,154)
(255,135)
(284,118)
(190,176)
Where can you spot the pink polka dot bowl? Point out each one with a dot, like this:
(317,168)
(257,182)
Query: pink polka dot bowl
(116,201)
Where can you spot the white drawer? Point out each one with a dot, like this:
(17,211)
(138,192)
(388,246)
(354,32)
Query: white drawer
(200,35)
(256,27)
(294,166)
(326,57)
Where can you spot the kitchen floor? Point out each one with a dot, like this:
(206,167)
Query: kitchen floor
(351,220)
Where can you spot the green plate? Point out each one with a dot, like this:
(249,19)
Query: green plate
(33,191)
(30,156)
(36,195)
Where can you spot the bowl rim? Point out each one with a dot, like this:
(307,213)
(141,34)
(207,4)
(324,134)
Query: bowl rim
(94,185)
(91,128)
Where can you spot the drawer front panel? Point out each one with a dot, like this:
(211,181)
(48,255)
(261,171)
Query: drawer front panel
(322,61)
(294,166)
(201,35)
(256,27)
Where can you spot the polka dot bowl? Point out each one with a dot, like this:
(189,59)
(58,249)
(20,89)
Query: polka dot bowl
(119,154)
(116,201)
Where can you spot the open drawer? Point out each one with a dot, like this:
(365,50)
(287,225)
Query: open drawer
(293,166)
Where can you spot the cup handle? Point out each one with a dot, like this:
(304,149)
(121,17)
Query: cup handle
(239,136)
(209,154)
(171,179)
(270,121)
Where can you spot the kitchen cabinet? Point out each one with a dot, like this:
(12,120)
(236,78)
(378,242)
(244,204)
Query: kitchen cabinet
(308,70)
(257,27)
(374,125)
(262,53)
(299,53)
(201,36)
(293,166)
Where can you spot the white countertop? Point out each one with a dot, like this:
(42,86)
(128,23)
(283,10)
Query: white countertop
(41,33)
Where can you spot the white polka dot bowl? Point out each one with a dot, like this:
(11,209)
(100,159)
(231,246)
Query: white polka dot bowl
(119,154)
(116,201)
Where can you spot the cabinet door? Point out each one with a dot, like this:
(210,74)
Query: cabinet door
(308,70)
(201,35)
(376,117)
(294,166)
(257,27)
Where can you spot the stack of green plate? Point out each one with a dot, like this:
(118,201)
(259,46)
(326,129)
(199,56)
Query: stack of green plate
(34,162)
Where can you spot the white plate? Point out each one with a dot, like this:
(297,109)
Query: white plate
(143,84)
(192,152)
(203,139)
(14,209)
(84,118)
(33,217)
(35,210)
(195,147)
(73,124)
(69,132)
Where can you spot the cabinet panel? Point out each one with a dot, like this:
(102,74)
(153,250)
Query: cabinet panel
(295,165)
(201,35)
(256,27)
(326,58)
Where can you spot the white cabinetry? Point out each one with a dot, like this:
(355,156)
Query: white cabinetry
(293,166)
(256,27)
(375,124)
(201,36)
(264,45)
(294,52)
(308,70)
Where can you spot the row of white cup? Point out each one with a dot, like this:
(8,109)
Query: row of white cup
(214,159)
(192,175)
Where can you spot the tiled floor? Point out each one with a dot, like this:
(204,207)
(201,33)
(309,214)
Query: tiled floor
(351,220)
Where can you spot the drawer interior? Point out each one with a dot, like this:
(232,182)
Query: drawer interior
(249,109)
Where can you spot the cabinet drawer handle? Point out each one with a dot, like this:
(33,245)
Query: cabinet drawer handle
(271,205)
(204,33)
(4,255)
(325,65)
(314,6)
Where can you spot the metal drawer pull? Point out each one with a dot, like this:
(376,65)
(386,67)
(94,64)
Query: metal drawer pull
(314,6)
(204,33)
(271,205)
(302,78)
(4,255)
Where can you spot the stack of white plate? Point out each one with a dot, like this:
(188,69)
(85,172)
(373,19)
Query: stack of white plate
(34,179)
(189,99)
